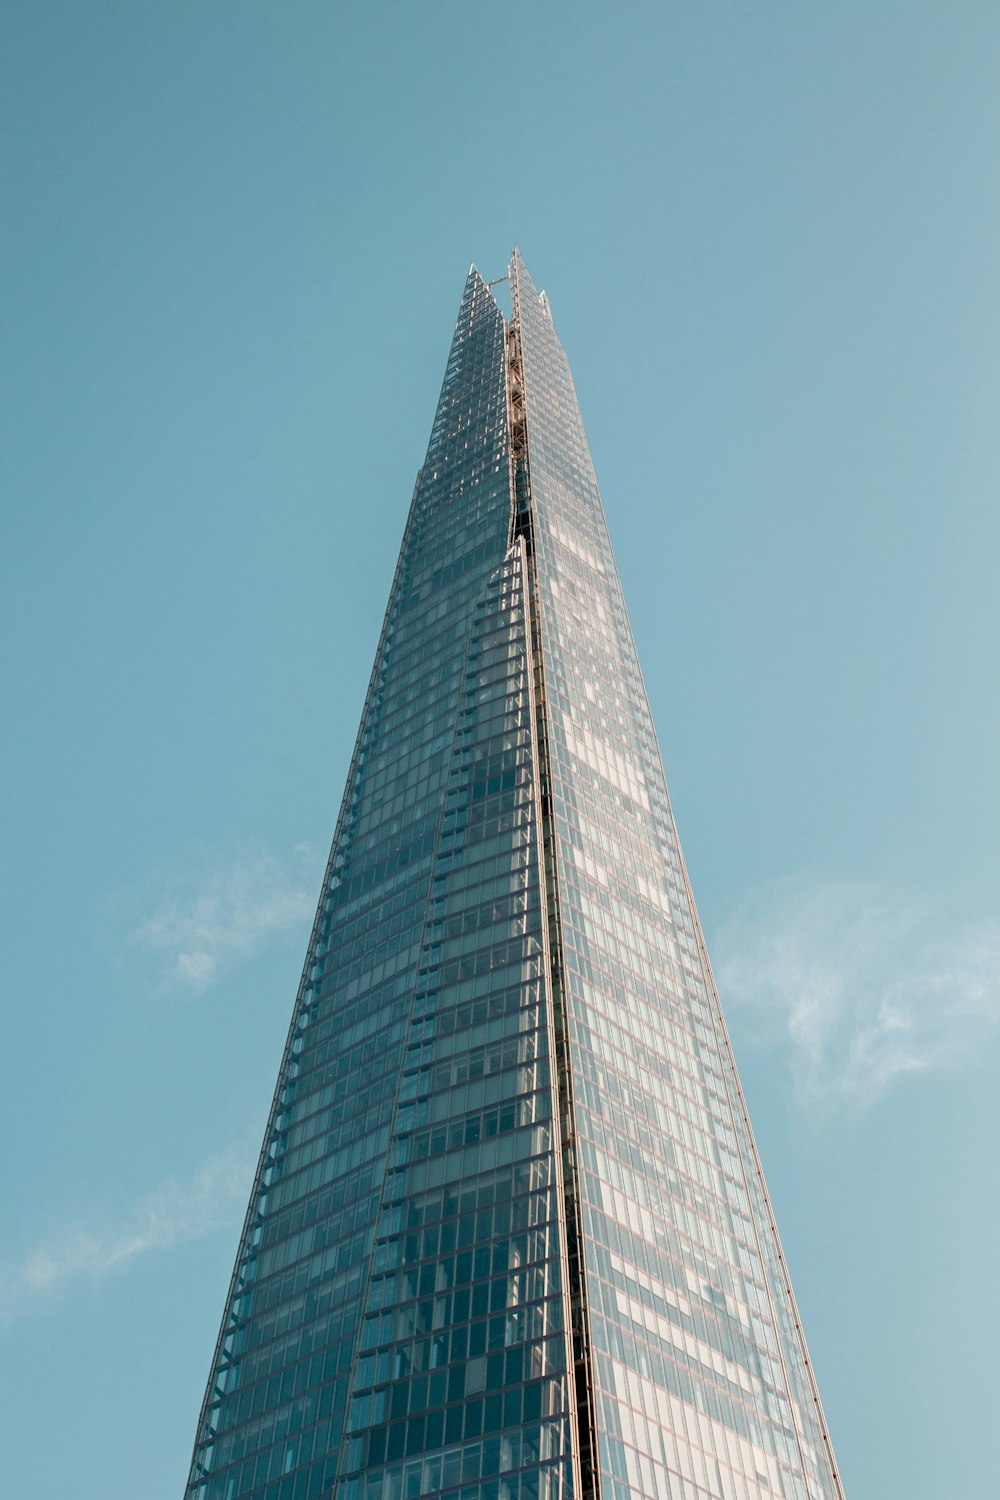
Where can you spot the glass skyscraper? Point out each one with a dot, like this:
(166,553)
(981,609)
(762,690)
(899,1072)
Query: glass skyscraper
(508,1237)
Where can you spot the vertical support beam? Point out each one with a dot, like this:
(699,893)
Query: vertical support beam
(586,1466)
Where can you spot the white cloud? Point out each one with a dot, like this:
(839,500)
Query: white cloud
(214,917)
(174,1212)
(860,984)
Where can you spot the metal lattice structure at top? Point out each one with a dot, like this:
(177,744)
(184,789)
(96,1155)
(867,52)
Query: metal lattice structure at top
(509,1237)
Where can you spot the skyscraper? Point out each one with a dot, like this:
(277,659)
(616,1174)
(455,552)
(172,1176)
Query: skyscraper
(509,1237)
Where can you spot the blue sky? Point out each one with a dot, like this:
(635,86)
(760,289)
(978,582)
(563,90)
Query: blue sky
(234,242)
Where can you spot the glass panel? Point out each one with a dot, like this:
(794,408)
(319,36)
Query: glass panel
(402,1228)
(702,1386)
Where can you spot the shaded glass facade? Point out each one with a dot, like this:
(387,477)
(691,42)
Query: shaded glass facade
(509,1238)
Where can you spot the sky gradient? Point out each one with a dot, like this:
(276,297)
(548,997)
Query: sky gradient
(234,244)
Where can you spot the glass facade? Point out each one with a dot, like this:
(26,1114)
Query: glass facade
(509,1238)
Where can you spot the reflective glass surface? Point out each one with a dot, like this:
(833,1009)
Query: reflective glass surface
(701,1382)
(401,1239)
(508,1238)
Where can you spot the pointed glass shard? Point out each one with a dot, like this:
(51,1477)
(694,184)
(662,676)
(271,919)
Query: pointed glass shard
(509,1237)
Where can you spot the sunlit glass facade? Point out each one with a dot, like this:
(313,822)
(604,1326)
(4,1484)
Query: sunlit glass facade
(508,1238)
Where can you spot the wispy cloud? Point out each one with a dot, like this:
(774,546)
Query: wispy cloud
(174,1212)
(862,985)
(221,912)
